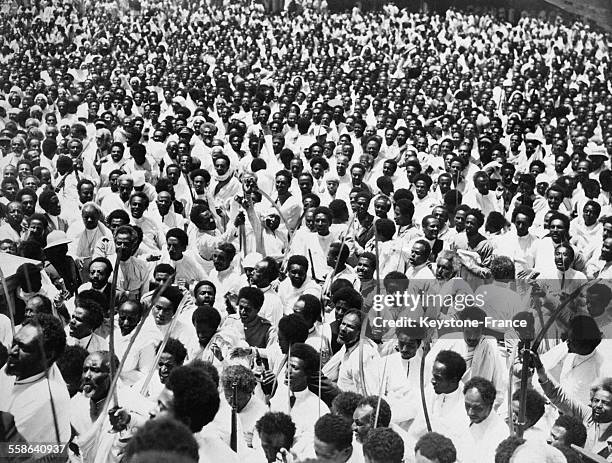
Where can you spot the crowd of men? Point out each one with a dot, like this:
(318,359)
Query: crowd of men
(373,237)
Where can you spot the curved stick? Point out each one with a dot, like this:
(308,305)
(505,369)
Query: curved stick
(115,380)
(422,387)
(540,336)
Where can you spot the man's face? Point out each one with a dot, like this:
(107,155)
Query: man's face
(166,364)
(129,317)
(86,193)
(124,245)
(557,230)
(476,408)
(471,225)
(164,202)
(221,260)
(79,326)
(25,358)
(297,274)
(362,422)
(163,310)
(15,214)
(205,295)
(165,403)
(296,377)
(557,436)
(440,381)
(554,198)
(175,248)
(349,330)
(272,445)
(95,379)
(601,404)
(125,190)
(138,206)
(432,227)
(246,311)
(407,346)
(321,224)
(522,224)
(28,203)
(589,214)
(418,255)
(365,268)
(98,275)
(8,190)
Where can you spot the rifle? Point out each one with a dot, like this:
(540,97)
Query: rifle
(234,432)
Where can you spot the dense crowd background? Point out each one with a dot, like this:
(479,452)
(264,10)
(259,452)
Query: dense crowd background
(215,201)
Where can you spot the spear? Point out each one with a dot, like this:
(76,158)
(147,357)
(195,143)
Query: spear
(111,339)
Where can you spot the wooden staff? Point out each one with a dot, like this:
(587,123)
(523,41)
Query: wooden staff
(46,370)
(193,198)
(380,392)
(524,345)
(115,379)
(111,339)
(312,270)
(510,387)
(9,302)
(160,350)
(234,432)
(365,315)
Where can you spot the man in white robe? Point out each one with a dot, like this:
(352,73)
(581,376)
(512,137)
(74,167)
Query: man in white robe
(32,391)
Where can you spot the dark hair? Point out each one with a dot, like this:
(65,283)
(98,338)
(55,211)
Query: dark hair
(179,234)
(277,423)
(384,414)
(243,377)
(507,447)
(95,312)
(534,408)
(196,398)
(252,294)
(208,368)
(434,446)
(53,335)
(350,295)
(104,261)
(384,444)
(175,348)
(335,430)
(207,314)
(312,308)
(70,363)
(525,210)
(294,328)
(346,403)
(163,434)
(308,355)
(229,249)
(199,284)
(576,432)
(297,260)
(485,388)
(406,207)
(454,363)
